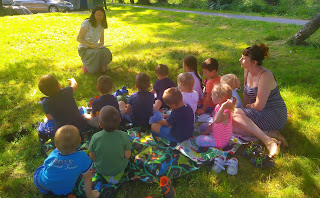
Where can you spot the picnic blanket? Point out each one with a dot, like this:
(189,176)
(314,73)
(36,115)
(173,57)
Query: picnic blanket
(152,157)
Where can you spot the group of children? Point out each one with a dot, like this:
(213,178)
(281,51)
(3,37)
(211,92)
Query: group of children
(110,149)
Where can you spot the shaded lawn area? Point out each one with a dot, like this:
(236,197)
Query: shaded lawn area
(34,45)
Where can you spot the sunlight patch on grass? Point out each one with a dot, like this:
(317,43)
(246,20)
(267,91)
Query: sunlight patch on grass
(140,40)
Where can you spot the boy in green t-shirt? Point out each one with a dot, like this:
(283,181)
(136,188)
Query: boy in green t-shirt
(110,149)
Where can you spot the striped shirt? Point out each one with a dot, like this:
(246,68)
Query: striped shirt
(220,132)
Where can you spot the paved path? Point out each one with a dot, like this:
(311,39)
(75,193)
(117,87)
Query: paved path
(255,18)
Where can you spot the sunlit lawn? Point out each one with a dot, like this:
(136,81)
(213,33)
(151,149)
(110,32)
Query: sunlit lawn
(34,45)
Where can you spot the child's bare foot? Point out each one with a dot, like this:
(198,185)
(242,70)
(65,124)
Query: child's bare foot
(273,147)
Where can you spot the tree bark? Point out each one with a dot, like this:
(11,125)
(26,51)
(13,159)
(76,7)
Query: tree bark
(306,31)
(105,4)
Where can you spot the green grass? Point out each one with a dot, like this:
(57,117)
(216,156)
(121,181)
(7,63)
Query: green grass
(297,9)
(34,45)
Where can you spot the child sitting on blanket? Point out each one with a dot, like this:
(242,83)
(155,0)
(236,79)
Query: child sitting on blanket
(140,104)
(60,105)
(190,65)
(163,83)
(210,70)
(219,133)
(110,149)
(104,86)
(185,83)
(233,81)
(179,124)
(64,165)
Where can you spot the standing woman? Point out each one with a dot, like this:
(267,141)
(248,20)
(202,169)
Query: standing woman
(264,108)
(94,56)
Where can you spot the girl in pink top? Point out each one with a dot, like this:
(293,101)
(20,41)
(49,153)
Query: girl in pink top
(219,133)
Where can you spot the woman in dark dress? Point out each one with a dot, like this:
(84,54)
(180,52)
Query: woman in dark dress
(264,108)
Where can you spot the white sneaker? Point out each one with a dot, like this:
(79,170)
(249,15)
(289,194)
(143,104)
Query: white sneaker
(232,166)
(219,163)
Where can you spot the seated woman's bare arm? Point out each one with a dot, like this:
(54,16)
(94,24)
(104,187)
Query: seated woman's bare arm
(80,38)
(265,85)
(101,40)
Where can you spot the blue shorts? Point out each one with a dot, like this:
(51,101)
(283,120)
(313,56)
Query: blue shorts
(36,183)
(165,133)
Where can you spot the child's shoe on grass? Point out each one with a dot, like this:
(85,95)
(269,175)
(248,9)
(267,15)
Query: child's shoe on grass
(166,188)
(219,163)
(232,166)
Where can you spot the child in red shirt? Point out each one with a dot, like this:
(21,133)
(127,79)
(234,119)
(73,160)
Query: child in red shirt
(210,70)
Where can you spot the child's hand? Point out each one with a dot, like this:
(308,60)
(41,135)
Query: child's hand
(228,104)
(73,84)
(72,80)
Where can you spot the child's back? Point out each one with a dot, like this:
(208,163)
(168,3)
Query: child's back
(110,148)
(102,101)
(64,165)
(160,86)
(141,108)
(181,120)
(178,126)
(104,86)
(61,172)
(141,102)
(60,104)
(163,83)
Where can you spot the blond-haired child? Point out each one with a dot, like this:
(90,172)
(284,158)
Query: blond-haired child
(219,133)
(64,165)
(233,81)
(185,83)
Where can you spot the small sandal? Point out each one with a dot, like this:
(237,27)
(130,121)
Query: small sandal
(263,162)
(219,163)
(253,150)
(277,151)
(232,166)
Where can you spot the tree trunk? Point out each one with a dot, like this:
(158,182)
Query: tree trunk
(105,4)
(306,31)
